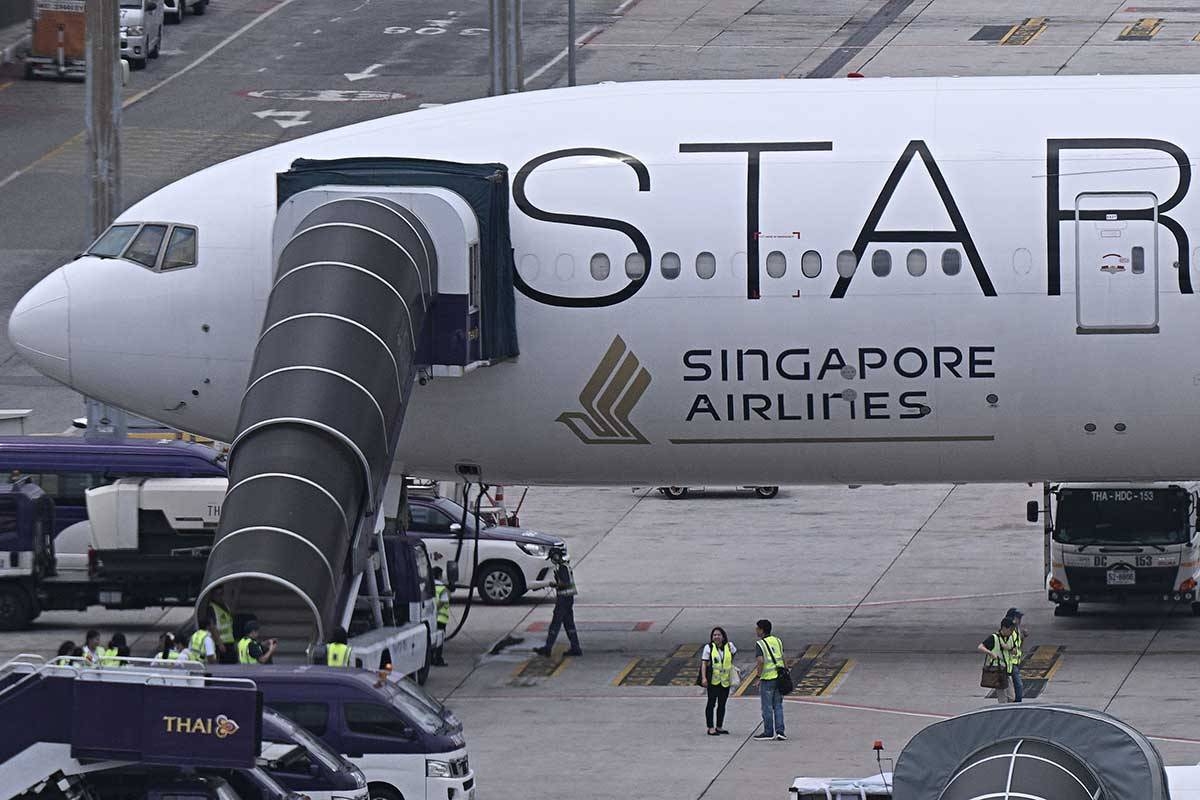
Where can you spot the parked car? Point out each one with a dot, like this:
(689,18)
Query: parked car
(680,492)
(141,31)
(512,561)
(175,9)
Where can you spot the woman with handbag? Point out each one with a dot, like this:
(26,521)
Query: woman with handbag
(717,675)
(1000,648)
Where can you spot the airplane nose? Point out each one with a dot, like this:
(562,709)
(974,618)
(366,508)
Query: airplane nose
(38,327)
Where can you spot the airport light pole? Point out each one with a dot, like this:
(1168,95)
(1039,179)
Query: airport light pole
(570,42)
(506,50)
(103,113)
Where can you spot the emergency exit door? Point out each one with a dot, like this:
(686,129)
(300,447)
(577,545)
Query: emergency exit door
(1116,262)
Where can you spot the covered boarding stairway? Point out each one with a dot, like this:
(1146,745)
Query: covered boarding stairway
(385,269)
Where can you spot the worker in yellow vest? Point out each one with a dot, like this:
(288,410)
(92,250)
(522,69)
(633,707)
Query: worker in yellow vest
(202,646)
(337,652)
(1000,648)
(770,658)
(111,656)
(224,641)
(441,599)
(250,651)
(93,651)
(716,675)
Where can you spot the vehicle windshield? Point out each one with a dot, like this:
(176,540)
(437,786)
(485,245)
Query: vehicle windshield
(226,792)
(456,511)
(315,747)
(420,715)
(418,694)
(1122,516)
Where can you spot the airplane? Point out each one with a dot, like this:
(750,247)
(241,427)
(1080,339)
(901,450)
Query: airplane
(847,281)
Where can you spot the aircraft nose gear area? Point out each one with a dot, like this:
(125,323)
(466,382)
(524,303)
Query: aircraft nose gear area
(322,412)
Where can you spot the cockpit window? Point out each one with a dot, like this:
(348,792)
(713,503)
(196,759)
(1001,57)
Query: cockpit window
(181,248)
(144,249)
(113,241)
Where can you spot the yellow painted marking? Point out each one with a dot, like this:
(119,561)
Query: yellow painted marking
(837,679)
(749,679)
(812,652)
(1054,669)
(4,86)
(623,674)
(561,666)
(1026,32)
(1143,29)
(686,651)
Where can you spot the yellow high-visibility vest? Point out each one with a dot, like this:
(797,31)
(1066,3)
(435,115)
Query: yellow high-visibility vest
(441,598)
(768,647)
(243,648)
(196,646)
(224,622)
(721,659)
(337,655)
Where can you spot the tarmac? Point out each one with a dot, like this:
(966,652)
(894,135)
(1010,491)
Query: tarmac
(880,592)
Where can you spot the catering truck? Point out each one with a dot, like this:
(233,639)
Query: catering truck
(1117,542)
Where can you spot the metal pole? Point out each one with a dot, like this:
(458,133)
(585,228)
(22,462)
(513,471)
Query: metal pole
(570,42)
(516,51)
(496,29)
(103,112)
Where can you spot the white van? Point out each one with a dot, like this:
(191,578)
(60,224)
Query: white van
(141,31)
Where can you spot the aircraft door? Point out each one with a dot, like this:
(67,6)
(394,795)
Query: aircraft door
(1116,262)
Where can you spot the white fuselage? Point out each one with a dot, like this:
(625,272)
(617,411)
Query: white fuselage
(1062,348)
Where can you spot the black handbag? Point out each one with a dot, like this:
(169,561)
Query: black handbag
(783,676)
(994,676)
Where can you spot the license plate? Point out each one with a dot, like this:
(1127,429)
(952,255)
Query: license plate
(1121,577)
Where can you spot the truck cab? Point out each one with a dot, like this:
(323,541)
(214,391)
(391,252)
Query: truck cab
(27,548)
(1118,542)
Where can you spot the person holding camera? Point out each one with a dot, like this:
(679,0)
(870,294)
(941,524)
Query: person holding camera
(250,650)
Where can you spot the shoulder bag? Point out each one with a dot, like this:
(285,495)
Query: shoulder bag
(783,676)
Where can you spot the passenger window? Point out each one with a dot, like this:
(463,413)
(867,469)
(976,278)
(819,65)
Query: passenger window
(313,717)
(916,263)
(671,266)
(706,265)
(1138,259)
(776,264)
(881,263)
(144,249)
(810,263)
(428,520)
(112,242)
(181,248)
(847,263)
(372,719)
(635,266)
(951,262)
(601,267)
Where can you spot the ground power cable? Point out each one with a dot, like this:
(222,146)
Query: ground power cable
(1141,655)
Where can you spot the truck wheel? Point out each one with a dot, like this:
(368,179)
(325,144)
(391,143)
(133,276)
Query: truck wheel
(381,791)
(177,17)
(499,584)
(1066,609)
(766,492)
(676,492)
(137,63)
(16,610)
(200,8)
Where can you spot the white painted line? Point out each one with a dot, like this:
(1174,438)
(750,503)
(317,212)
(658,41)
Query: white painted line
(621,9)
(866,604)
(282,4)
(369,72)
(579,42)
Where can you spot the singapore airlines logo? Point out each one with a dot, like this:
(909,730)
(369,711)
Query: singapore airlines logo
(608,398)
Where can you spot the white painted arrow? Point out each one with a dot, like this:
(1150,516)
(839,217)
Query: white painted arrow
(369,72)
(285,119)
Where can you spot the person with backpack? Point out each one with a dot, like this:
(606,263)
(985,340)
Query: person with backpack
(770,668)
(716,676)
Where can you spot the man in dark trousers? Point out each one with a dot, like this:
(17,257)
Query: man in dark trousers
(564,605)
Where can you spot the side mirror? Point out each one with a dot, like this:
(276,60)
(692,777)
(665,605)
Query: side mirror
(314,770)
(455,528)
(1032,511)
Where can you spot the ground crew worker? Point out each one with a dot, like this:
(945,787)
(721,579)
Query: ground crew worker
(564,605)
(202,646)
(226,644)
(769,659)
(716,667)
(1020,633)
(999,648)
(337,652)
(92,651)
(441,599)
(117,650)
(250,651)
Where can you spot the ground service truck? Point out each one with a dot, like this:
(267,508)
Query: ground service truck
(1110,542)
